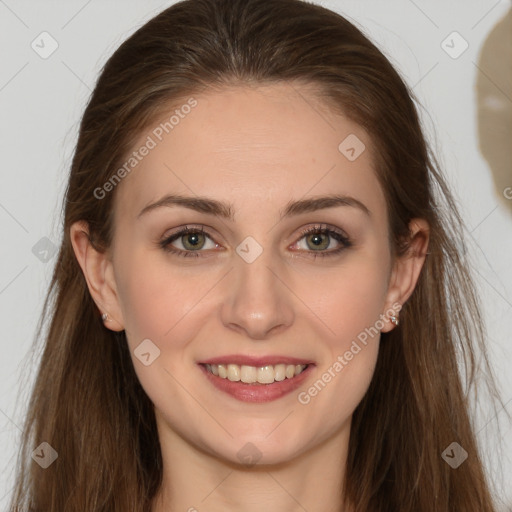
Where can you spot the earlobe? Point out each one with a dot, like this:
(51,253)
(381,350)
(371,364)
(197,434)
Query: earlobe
(406,271)
(97,270)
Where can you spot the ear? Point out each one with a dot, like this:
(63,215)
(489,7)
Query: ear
(406,269)
(99,275)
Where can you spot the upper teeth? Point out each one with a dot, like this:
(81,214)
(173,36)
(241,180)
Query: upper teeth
(250,374)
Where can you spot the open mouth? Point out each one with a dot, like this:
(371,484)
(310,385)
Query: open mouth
(268,374)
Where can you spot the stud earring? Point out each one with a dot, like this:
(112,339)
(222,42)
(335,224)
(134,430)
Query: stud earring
(394,320)
(104,317)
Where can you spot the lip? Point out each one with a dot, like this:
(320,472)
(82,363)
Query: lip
(256,393)
(256,361)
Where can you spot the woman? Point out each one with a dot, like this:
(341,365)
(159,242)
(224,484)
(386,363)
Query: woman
(258,300)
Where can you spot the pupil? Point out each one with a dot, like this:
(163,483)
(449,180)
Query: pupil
(193,239)
(317,241)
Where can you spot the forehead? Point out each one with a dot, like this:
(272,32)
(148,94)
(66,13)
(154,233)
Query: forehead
(241,143)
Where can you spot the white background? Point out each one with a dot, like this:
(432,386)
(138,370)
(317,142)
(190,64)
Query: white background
(41,101)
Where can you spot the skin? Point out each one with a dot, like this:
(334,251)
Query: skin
(256,148)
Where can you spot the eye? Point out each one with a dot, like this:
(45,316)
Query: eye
(318,238)
(189,242)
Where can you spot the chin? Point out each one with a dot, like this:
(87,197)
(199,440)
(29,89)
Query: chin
(257,450)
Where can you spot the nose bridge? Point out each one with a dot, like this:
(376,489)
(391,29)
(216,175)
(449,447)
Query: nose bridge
(257,301)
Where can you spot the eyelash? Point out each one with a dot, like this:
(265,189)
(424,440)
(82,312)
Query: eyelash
(344,241)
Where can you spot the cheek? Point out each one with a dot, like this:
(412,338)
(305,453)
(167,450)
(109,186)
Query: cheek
(352,300)
(350,304)
(159,304)
(155,298)
(349,358)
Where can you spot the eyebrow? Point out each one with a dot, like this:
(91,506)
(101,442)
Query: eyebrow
(226,210)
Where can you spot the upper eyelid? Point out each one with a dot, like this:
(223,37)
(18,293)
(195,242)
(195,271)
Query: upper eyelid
(323,227)
(205,230)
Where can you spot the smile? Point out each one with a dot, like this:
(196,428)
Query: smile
(267,374)
(257,384)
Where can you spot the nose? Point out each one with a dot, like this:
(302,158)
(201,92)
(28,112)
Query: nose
(258,303)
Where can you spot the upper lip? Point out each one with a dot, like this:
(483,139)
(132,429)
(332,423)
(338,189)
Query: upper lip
(259,361)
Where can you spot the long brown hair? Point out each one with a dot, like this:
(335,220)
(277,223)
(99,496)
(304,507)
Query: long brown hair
(87,402)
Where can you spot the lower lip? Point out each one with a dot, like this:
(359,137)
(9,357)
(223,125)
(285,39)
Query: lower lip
(257,392)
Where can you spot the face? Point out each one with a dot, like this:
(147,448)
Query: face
(265,277)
